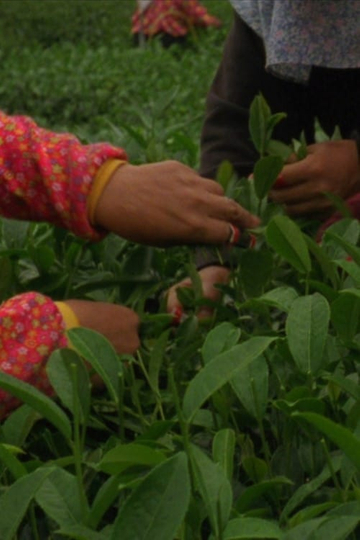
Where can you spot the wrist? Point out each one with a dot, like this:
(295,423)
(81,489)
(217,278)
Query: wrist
(102,179)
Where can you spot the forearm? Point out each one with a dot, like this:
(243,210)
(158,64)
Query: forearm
(46,176)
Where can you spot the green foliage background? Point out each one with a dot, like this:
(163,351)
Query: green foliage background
(71,65)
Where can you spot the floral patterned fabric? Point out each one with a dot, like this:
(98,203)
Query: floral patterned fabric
(31,327)
(299,34)
(47,176)
(43,176)
(174,17)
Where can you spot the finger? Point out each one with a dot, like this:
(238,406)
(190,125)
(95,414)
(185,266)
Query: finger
(298,172)
(292,158)
(229,210)
(317,205)
(213,187)
(293,194)
(214,231)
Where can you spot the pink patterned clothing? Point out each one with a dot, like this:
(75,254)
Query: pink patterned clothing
(44,176)
(173,17)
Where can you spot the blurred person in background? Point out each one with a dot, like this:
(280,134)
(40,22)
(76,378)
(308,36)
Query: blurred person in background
(171,20)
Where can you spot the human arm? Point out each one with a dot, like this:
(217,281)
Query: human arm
(51,177)
(32,326)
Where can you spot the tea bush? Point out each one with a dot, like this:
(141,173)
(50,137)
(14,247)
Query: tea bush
(245,425)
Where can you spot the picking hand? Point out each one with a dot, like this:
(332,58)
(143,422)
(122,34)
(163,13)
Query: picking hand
(168,203)
(118,324)
(210,276)
(329,167)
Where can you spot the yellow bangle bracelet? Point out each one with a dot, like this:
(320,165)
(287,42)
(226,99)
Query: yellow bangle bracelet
(101,180)
(71,320)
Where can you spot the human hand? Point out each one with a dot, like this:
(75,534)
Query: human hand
(168,203)
(210,276)
(118,324)
(329,167)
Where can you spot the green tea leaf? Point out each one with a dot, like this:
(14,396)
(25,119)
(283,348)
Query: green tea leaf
(266,171)
(15,466)
(310,487)
(349,248)
(255,468)
(220,370)
(247,527)
(225,177)
(156,359)
(345,314)
(255,492)
(347,385)
(272,122)
(251,387)
(79,532)
(38,401)
(320,133)
(304,530)
(103,500)
(58,496)
(220,339)
(258,123)
(351,268)
(326,264)
(257,269)
(15,501)
(307,329)
(311,512)
(158,505)
(278,148)
(95,348)
(223,451)
(214,488)
(285,237)
(18,425)
(281,298)
(59,369)
(339,528)
(124,456)
(339,435)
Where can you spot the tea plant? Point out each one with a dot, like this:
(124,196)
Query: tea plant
(241,426)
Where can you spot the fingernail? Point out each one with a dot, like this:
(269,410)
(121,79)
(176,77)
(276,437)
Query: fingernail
(234,235)
(177,314)
(280,182)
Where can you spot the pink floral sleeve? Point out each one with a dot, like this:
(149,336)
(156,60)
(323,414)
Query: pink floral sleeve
(174,17)
(43,176)
(31,328)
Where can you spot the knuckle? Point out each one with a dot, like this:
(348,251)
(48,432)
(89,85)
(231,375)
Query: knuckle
(217,188)
(233,209)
